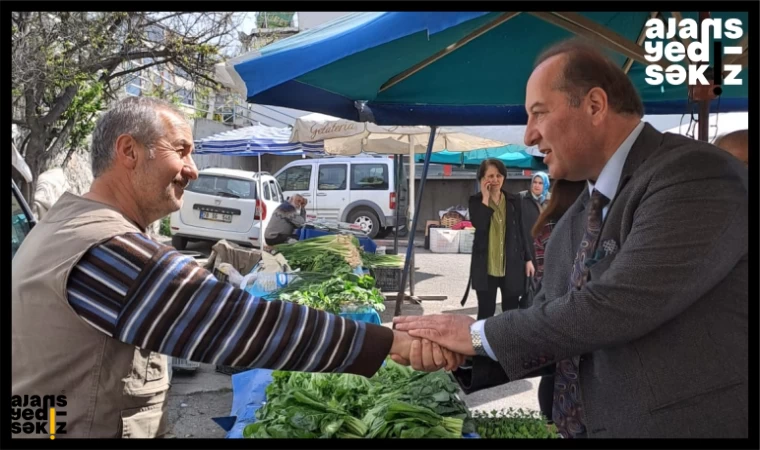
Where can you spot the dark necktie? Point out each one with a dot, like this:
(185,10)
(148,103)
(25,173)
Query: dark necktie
(567,410)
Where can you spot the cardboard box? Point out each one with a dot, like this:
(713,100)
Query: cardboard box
(430,222)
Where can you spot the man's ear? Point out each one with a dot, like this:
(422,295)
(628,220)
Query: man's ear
(127,151)
(596,104)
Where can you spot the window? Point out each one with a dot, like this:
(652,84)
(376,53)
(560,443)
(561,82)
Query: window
(276,196)
(186,97)
(296,178)
(155,33)
(134,86)
(332,177)
(223,187)
(267,193)
(369,177)
(180,72)
(20,226)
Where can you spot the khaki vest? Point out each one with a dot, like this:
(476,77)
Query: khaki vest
(112,389)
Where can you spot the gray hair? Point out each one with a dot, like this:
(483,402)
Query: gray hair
(135,116)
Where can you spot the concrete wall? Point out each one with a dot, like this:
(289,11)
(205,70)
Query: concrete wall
(443,194)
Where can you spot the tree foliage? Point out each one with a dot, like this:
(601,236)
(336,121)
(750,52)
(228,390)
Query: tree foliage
(67,66)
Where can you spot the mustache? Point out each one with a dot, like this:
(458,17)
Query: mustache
(182,181)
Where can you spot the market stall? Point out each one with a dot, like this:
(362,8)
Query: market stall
(342,137)
(454,68)
(255,141)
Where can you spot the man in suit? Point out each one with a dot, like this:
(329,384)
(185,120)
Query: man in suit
(645,324)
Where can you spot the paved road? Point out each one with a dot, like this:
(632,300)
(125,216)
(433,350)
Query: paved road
(196,398)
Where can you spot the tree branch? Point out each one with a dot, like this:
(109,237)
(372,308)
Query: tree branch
(134,69)
(62,136)
(60,105)
(196,73)
(106,63)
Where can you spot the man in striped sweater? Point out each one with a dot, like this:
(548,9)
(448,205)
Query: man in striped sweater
(97,305)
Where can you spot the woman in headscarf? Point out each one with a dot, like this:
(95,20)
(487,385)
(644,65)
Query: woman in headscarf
(533,202)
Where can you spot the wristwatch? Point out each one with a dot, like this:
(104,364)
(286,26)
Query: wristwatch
(477,341)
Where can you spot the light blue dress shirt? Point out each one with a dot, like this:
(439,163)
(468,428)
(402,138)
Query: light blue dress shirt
(607,184)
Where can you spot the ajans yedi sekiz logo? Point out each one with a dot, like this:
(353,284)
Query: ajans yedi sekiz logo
(693,43)
(38,415)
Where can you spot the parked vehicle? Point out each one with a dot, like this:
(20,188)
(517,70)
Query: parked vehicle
(224,204)
(22,219)
(358,190)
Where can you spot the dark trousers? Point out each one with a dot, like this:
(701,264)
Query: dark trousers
(487,299)
(546,396)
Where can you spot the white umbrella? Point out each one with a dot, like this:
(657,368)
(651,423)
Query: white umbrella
(348,138)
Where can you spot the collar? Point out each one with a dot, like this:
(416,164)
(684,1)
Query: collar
(609,178)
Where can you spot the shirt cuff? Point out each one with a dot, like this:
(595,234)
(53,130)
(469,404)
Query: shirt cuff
(479,327)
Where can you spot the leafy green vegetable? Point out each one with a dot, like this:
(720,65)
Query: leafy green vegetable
(374,261)
(513,424)
(397,402)
(337,292)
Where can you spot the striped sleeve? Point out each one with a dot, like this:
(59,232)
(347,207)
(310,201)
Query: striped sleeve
(151,296)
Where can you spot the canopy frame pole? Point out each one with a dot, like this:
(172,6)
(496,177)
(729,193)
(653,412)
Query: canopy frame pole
(398,169)
(584,27)
(260,196)
(415,218)
(451,48)
(640,41)
(703,118)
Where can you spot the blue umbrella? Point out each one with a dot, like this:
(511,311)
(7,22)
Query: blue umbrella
(445,68)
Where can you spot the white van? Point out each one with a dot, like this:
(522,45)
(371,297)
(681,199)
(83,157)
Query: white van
(357,190)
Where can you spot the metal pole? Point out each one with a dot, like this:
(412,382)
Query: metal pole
(412,209)
(410,245)
(260,196)
(398,168)
(704,105)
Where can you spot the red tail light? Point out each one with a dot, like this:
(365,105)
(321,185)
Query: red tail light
(392,200)
(261,211)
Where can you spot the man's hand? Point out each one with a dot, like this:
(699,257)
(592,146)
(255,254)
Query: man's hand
(451,331)
(430,357)
(530,270)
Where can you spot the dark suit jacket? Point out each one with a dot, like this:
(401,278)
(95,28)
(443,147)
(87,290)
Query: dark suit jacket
(516,249)
(530,212)
(661,328)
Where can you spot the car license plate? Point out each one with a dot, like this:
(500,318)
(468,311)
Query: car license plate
(218,217)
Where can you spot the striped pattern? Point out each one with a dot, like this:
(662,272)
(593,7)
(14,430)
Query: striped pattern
(151,296)
(254,140)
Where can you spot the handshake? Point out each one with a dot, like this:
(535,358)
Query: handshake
(431,343)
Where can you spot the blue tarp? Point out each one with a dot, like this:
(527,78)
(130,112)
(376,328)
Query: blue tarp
(254,140)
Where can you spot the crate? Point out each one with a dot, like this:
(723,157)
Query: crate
(388,279)
(466,239)
(444,240)
(184,365)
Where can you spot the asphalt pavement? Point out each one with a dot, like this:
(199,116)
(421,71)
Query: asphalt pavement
(196,397)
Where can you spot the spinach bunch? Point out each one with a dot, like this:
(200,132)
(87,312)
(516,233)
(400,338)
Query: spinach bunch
(397,402)
(335,293)
(513,424)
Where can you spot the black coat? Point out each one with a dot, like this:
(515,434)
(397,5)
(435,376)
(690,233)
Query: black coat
(530,212)
(517,251)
